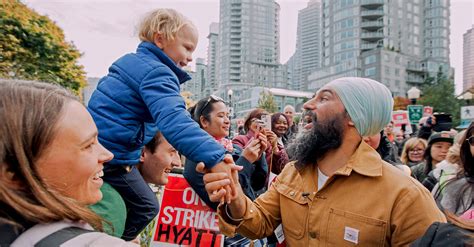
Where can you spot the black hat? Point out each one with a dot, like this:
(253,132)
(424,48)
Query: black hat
(443,136)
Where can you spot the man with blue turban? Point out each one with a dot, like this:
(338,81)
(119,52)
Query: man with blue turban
(337,191)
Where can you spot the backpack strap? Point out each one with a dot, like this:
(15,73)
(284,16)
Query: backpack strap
(61,236)
(40,232)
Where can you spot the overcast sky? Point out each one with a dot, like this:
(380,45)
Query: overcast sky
(104,30)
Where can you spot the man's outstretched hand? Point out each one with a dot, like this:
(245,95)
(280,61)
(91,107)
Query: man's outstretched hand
(227,166)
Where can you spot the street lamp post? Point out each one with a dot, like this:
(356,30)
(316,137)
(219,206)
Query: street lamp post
(231,110)
(413,94)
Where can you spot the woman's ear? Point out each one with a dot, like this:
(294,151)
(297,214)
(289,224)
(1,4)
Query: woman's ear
(204,123)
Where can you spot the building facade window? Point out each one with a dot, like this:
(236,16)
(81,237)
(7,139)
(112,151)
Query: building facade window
(370,59)
(370,71)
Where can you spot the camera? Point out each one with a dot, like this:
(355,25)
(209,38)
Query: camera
(444,122)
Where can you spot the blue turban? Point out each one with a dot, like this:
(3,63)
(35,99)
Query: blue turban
(368,102)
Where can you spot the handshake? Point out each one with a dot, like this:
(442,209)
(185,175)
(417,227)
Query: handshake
(222,185)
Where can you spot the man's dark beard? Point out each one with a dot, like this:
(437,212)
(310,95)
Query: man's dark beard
(312,145)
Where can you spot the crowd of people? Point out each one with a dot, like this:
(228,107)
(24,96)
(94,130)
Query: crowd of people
(77,176)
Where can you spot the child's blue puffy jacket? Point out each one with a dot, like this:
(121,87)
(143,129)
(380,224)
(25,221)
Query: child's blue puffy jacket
(141,90)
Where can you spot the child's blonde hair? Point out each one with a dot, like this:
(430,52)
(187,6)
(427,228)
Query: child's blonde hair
(166,22)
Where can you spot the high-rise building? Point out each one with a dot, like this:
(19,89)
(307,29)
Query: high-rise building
(212,55)
(468,60)
(197,85)
(249,46)
(190,86)
(291,70)
(307,57)
(397,43)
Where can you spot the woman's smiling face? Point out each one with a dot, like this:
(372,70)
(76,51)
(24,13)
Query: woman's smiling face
(219,123)
(72,164)
(280,126)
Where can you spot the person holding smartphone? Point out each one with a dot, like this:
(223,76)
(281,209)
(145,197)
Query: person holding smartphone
(253,125)
(212,115)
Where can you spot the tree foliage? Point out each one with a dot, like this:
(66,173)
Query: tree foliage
(267,102)
(439,93)
(33,47)
(400,103)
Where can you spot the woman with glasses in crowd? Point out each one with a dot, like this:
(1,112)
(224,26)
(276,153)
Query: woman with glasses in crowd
(212,115)
(413,151)
(50,169)
(457,194)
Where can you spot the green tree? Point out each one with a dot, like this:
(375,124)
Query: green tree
(33,47)
(439,92)
(267,102)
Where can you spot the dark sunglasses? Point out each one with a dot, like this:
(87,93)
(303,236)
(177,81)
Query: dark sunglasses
(213,98)
(470,140)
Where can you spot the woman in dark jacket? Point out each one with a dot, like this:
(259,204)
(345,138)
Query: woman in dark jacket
(212,115)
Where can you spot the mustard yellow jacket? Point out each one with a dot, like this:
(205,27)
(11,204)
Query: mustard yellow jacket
(367,202)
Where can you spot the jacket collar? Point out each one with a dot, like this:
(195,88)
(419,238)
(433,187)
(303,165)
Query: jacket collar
(155,50)
(365,161)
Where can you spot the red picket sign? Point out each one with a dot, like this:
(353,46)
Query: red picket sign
(427,111)
(184,219)
(399,118)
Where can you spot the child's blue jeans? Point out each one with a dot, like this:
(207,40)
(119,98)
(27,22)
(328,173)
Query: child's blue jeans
(142,204)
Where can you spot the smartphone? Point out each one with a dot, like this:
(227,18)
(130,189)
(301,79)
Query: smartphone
(267,121)
(259,127)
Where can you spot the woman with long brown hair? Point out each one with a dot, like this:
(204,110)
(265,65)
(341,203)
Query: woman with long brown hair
(50,168)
